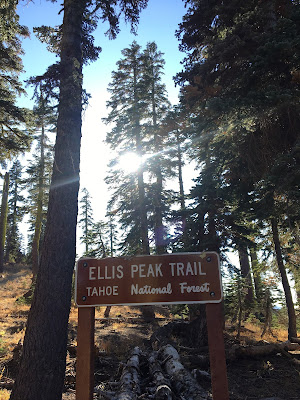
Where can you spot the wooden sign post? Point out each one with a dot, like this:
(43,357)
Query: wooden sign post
(157,279)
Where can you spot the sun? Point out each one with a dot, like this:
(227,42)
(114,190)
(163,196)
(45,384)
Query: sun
(130,162)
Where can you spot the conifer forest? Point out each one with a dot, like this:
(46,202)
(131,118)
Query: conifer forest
(235,127)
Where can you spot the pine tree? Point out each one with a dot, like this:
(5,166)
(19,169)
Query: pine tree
(16,210)
(241,90)
(174,127)
(128,105)
(138,105)
(112,232)
(13,119)
(3,218)
(125,202)
(86,220)
(157,104)
(39,172)
(99,239)
(42,368)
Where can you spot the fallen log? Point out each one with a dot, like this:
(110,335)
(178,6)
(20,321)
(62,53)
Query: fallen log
(182,380)
(238,351)
(162,385)
(196,361)
(295,340)
(290,357)
(129,388)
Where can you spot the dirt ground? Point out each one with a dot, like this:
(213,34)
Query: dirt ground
(275,376)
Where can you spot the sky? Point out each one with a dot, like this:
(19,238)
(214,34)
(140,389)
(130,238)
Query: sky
(158,22)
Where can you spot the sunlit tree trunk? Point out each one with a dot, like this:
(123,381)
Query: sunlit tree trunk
(258,286)
(246,274)
(3,218)
(12,234)
(158,219)
(180,178)
(140,175)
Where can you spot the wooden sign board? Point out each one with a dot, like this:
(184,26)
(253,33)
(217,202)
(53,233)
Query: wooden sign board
(155,279)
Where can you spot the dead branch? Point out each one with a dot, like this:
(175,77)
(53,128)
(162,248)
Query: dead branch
(6,383)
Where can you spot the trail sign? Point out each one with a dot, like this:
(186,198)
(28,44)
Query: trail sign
(161,279)
(156,279)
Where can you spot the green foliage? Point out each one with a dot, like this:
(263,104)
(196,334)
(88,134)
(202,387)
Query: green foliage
(86,220)
(240,90)
(25,300)
(16,211)
(138,106)
(98,237)
(14,120)
(39,171)
(179,310)
(3,218)
(3,348)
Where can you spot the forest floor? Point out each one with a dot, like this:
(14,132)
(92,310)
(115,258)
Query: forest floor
(272,375)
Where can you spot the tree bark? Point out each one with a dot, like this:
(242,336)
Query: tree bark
(140,177)
(160,247)
(3,219)
(292,328)
(147,311)
(246,274)
(130,378)
(256,275)
(180,178)
(42,366)
(241,351)
(162,385)
(39,211)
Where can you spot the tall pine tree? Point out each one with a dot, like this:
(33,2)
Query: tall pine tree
(242,89)
(42,367)
(14,136)
(16,210)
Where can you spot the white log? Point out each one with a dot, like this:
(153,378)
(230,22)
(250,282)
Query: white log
(182,380)
(161,383)
(129,388)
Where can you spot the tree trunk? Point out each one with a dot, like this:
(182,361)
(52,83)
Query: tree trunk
(147,311)
(3,219)
(292,329)
(42,366)
(160,247)
(256,275)
(39,211)
(180,178)
(11,235)
(197,329)
(111,236)
(143,214)
(246,274)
